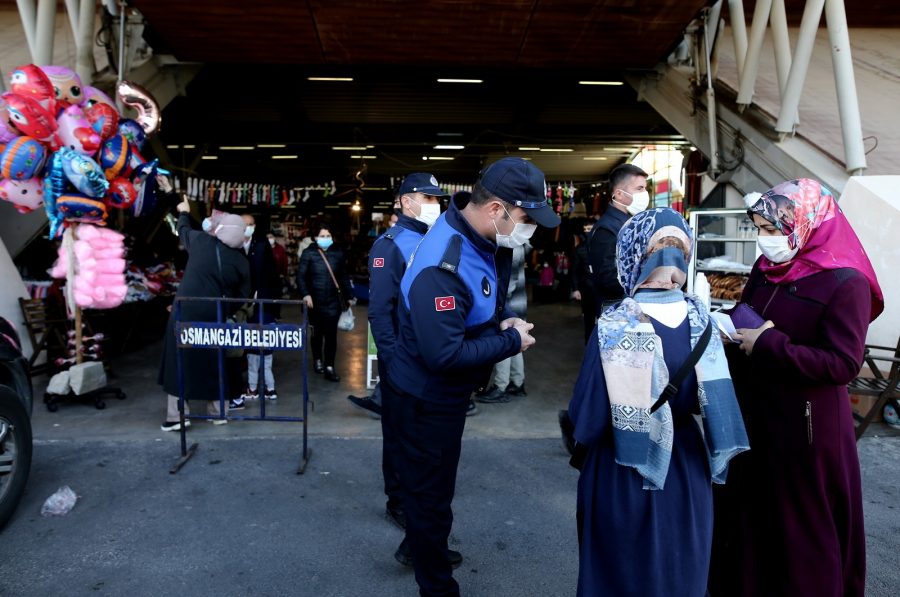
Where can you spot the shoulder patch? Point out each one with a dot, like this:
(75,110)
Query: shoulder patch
(444,303)
(378,262)
(450,259)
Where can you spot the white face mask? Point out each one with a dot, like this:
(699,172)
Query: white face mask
(272,242)
(428,213)
(639,202)
(776,248)
(520,234)
(248,232)
(206,224)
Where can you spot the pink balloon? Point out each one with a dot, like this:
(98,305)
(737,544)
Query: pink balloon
(75,131)
(92,96)
(26,195)
(66,84)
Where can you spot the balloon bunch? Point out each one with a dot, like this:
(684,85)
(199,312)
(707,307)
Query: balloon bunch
(67,147)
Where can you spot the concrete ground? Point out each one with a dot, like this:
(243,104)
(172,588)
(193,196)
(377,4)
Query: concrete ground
(238,520)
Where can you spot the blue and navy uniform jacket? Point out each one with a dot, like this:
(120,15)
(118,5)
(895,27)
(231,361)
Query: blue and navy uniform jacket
(452,300)
(387,262)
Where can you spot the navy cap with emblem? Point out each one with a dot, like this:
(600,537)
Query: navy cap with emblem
(520,183)
(421,182)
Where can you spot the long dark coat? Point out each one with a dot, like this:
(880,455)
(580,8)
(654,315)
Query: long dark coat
(313,279)
(202,278)
(790,519)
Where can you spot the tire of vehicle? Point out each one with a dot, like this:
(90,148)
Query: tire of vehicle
(15,452)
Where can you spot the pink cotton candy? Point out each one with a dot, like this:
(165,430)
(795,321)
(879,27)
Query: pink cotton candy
(110,266)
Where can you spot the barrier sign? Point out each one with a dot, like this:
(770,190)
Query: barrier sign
(248,336)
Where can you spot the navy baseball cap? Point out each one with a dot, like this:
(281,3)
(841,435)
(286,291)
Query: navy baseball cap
(421,182)
(520,183)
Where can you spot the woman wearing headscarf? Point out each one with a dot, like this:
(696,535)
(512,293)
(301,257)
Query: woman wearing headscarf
(790,521)
(644,494)
(216,267)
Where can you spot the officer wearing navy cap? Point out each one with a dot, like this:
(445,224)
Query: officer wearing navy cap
(453,327)
(420,205)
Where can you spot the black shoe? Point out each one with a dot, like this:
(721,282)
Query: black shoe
(397,515)
(318,367)
(404,556)
(471,409)
(514,390)
(330,375)
(367,404)
(493,396)
(236,404)
(568,431)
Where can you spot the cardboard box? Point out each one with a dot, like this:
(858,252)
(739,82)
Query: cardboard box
(861,405)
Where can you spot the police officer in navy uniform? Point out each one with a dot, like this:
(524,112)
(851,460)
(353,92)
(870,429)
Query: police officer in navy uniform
(453,327)
(420,206)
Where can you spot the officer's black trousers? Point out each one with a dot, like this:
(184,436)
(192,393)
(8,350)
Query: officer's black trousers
(429,436)
(390,447)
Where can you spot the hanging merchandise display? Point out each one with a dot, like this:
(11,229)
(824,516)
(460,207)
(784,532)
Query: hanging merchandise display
(241,193)
(67,148)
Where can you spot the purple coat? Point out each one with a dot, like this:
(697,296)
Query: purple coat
(790,519)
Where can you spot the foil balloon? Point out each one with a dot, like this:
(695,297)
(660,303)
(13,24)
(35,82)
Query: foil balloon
(144,180)
(27,195)
(75,131)
(7,132)
(93,96)
(66,83)
(54,186)
(115,157)
(136,97)
(133,132)
(78,208)
(30,117)
(31,82)
(84,173)
(121,193)
(104,119)
(22,159)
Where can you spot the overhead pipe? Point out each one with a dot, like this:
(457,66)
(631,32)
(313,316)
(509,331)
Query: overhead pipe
(738,32)
(29,23)
(44,32)
(751,62)
(790,102)
(845,83)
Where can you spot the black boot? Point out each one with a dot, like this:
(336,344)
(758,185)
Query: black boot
(318,367)
(330,375)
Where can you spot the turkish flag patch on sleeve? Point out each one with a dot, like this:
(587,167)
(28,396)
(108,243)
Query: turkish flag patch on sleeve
(444,303)
(378,262)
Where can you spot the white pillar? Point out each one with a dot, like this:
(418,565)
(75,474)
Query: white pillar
(812,14)
(739,32)
(84,60)
(27,14)
(845,83)
(45,31)
(751,63)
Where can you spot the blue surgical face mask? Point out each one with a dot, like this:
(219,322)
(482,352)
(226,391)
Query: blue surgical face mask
(665,257)
(324,243)
(248,231)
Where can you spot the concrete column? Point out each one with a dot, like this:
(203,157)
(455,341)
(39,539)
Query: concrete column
(45,32)
(845,83)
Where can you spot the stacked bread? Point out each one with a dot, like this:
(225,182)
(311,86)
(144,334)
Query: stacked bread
(726,286)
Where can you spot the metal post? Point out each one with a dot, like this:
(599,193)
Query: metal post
(739,32)
(782,44)
(710,106)
(121,74)
(790,101)
(845,83)
(29,20)
(46,28)
(751,63)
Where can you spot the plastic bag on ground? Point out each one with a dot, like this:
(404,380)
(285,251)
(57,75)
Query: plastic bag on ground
(59,503)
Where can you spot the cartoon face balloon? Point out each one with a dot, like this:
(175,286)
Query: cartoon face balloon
(7,132)
(121,193)
(84,173)
(22,159)
(66,84)
(92,96)
(26,195)
(78,208)
(31,82)
(28,116)
(76,132)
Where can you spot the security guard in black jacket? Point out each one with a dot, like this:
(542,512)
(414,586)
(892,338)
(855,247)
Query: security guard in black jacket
(453,327)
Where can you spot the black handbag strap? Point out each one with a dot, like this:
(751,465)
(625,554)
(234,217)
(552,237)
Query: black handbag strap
(675,381)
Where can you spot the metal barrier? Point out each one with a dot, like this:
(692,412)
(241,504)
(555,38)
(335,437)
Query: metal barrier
(223,334)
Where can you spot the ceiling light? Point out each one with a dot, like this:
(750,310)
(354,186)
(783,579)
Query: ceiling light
(370,147)
(285,157)
(594,158)
(363,157)
(237,148)
(348,148)
(189,147)
(343,79)
(529,149)
(449,134)
(449,146)
(550,149)
(460,81)
(619,149)
(612,83)
(172,146)
(272,146)
(210,157)
(436,158)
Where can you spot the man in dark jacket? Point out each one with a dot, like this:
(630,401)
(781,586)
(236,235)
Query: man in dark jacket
(420,201)
(453,327)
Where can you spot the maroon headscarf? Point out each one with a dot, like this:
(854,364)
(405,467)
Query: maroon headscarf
(808,214)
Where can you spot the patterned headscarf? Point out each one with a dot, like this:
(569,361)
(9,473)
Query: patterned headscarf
(808,214)
(642,232)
